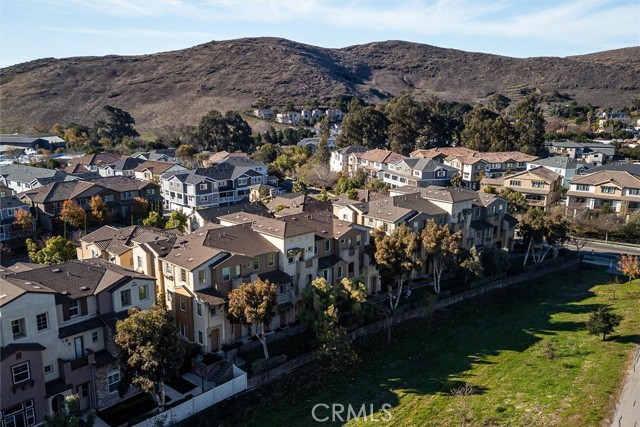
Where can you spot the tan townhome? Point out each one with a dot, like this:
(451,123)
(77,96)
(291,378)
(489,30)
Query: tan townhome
(619,190)
(541,187)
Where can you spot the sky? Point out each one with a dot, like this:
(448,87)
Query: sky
(33,29)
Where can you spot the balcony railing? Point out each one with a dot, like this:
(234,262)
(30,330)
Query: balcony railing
(79,363)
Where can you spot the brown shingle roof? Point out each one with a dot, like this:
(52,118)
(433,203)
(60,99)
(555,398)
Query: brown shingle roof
(623,179)
(154,167)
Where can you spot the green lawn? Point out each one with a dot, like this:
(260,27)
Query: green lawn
(525,350)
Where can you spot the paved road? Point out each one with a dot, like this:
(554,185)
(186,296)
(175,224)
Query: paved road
(598,246)
(628,409)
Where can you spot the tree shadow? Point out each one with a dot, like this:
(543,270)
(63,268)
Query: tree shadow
(625,339)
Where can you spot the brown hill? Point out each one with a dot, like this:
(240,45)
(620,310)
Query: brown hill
(179,87)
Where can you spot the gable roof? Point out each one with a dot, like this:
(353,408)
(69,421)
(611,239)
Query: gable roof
(560,162)
(97,158)
(540,172)
(154,167)
(120,183)
(245,205)
(378,155)
(295,203)
(61,191)
(27,174)
(447,194)
(633,168)
(621,178)
(432,153)
(119,240)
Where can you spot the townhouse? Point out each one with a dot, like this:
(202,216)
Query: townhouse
(313,143)
(417,172)
(314,244)
(289,118)
(566,167)
(595,153)
(123,167)
(9,205)
(617,189)
(372,162)
(56,338)
(118,192)
(541,187)
(221,184)
(22,178)
(474,165)
(91,162)
(151,170)
(161,155)
(263,113)
(339,162)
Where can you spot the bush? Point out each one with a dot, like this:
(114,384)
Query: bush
(261,365)
(227,347)
(191,350)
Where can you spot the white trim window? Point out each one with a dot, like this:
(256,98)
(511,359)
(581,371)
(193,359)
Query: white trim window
(21,373)
(42,321)
(113,379)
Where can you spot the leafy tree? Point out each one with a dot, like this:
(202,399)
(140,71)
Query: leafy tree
(139,209)
(150,352)
(529,124)
(542,232)
(99,209)
(335,351)
(364,126)
(631,228)
(485,130)
(253,305)
(471,264)
(494,260)
(23,219)
(300,187)
(186,152)
(154,220)
(224,133)
(517,201)
(179,220)
(629,265)
(498,102)
(266,153)
(603,321)
(72,214)
(346,297)
(69,415)
(322,156)
(119,124)
(56,250)
(406,117)
(395,257)
(443,122)
(440,246)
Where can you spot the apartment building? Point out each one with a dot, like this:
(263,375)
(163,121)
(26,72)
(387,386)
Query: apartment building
(162,155)
(541,187)
(221,184)
(595,153)
(372,161)
(416,172)
(151,170)
(566,167)
(63,343)
(618,189)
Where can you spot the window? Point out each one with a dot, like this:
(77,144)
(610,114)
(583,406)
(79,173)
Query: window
(608,189)
(94,253)
(441,173)
(200,338)
(226,274)
(634,191)
(183,304)
(515,183)
(170,296)
(315,249)
(18,328)
(19,415)
(74,309)
(183,329)
(327,246)
(21,373)
(139,261)
(212,310)
(256,263)
(271,259)
(204,198)
(95,336)
(582,187)
(202,276)
(183,274)
(249,264)
(358,240)
(168,269)
(242,181)
(42,321)
(143,295)
(48,369)
(125,297)
(203,186)
(238,271)
(339,272)
(537,184)
(113,379)
(199,309)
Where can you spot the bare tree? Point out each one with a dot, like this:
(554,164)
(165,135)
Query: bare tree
(461,395)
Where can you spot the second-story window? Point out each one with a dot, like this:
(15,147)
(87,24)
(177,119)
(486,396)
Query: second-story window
(358,240)
(256,263)
(203,186)
(327,246)
(74,308)
(183,304)
(537,184)
(199,309)
(202,276)
(143,294)
(21,373)
(514,183)
(271,259)
(608,189)
(18,328)
(42,322)
(183,274)
(226,274)
(125,297)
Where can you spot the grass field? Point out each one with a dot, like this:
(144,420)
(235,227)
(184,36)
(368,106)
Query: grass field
(525,350)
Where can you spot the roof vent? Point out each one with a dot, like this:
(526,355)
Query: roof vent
(36,287)
(28,283)
(56,270)
(84,288)
(65,293)
(190,259)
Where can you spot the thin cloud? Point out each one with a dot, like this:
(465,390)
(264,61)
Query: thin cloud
(134,32)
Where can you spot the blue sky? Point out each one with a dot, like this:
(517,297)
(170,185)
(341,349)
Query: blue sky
(32,29)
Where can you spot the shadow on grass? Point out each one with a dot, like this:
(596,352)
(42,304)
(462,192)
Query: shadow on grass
(625,339)
(425,358)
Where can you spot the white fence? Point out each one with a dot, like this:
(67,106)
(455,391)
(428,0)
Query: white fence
(200,402)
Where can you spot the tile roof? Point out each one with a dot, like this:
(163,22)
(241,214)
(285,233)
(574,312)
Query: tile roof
(238,239)
(352,149)
(560,162)
(442,152)
(276,276)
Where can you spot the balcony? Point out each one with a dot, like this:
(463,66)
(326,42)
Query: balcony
(79,363)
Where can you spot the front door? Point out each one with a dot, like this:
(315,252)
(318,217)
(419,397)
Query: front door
(283,318)
(83,396)
(215,340)
(79,347)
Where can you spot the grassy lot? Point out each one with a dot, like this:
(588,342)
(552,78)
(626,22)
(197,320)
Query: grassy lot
(525,350)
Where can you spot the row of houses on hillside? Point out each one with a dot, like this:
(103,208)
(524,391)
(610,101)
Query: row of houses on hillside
(298,117)
(57,331)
